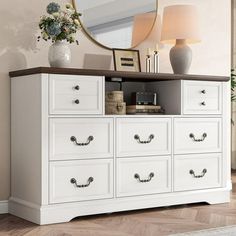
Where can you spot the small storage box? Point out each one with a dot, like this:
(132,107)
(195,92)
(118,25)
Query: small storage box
(115,96)
(115,108)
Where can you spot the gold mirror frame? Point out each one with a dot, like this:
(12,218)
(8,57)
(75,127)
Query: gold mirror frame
(89,36)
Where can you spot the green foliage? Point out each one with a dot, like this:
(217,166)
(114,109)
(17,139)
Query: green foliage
(59,24)
(233,85)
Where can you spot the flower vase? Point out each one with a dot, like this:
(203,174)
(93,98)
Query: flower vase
(59,54)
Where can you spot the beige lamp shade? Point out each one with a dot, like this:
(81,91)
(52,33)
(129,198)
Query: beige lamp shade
(180,22)
(142,26)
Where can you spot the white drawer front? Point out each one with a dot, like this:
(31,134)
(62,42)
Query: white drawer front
(77,138)
(81,180)
(143,136)
(197,135)
(143,175)
(70,94)
(202,97)
(194,172)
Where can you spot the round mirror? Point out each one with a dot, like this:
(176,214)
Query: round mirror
(117,23)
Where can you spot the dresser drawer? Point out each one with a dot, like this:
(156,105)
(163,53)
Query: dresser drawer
(80,180)
(197,135)
(143,136)
(70,94)
(77,138)
(143,175)
(195,172)
(202,97)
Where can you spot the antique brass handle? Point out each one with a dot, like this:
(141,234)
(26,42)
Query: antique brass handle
(192,136)
(204,171)
(137,137)
(137,176)
(74,181)
(73,139)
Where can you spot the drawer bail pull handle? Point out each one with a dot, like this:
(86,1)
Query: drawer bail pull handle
(204,171)
(77,87)
(203,91)
(137,176)
(203,104)
(151,137)
(74,140)
(76,101)
(90,180)
(192,136)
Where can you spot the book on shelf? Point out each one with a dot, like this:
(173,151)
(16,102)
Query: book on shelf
(143,109)
(140,107)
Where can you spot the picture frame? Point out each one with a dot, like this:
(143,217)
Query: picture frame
(126,60)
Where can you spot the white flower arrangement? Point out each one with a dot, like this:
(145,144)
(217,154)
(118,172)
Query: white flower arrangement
(60,24)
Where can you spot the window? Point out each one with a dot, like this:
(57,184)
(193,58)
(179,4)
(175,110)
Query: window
(116,34)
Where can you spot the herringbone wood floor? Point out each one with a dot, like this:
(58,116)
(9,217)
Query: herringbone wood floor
(154,222)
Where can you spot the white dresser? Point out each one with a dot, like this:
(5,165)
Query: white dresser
(69,159)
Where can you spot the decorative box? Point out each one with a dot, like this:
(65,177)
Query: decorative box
(115,108)
(115,104)
(114,96)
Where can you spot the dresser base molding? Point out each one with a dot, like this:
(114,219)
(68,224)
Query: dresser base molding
(61,213)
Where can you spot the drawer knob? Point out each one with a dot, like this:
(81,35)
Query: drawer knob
(77,87)
(74,181)
(203,104)
(137,137)
(137,176)
(204,171)
(77,101)
(203,91)
(74,140)
(192,136)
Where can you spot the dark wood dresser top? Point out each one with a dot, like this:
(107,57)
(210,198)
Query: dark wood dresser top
(126,76)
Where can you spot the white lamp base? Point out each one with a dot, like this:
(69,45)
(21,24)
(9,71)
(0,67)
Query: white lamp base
(181,57)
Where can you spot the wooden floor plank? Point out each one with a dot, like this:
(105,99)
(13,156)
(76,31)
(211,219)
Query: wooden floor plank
(152,222)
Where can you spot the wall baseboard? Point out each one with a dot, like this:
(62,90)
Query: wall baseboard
(3,207)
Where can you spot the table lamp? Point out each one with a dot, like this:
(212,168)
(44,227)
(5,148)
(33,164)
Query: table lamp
(180,26)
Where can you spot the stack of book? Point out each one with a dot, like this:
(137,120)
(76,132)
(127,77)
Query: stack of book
(144,109)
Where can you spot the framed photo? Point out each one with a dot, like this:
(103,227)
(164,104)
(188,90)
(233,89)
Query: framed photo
(126,60)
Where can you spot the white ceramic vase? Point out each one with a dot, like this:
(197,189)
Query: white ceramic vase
(59,54)
(181,57)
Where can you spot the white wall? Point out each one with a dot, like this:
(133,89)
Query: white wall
(19,50)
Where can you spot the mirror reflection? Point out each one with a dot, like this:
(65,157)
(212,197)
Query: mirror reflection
(117,23)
